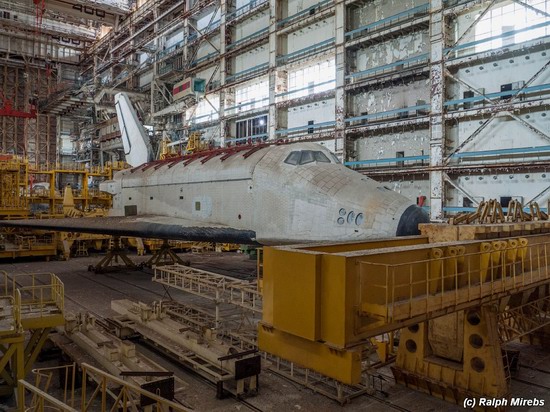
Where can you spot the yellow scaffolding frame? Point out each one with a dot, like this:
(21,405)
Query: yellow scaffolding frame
(35,303)
(13,186)
(85,198)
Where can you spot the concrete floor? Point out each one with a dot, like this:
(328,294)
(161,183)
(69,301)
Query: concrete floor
(87,291)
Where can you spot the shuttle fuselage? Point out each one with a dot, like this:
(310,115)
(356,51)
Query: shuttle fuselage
(284,193)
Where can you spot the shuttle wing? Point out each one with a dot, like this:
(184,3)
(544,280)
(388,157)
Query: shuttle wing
(157,227)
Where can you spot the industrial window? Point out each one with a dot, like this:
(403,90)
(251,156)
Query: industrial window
(306,156)
(252,96)
(251,127)
(511,18)
(313,79)
(207,109)
(197,206)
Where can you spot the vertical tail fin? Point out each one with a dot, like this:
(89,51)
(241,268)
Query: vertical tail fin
(135,139)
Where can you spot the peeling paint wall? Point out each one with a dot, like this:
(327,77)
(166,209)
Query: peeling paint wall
(296,6)
(310,35)
(250,26)
(319,112)
(206,48)
(410,187)
(411,143)
(396,97)
(251,58)
(523,186)
(376,10)
(392,50)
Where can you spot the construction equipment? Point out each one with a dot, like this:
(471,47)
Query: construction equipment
(24,244)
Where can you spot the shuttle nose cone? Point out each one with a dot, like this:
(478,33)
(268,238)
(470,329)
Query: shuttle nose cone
(411,217)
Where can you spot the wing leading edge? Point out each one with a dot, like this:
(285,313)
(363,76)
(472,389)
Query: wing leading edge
(144,226)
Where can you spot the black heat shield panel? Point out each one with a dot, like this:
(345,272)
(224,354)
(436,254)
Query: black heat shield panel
(137,227)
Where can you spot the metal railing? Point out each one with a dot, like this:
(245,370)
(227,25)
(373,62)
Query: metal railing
(247,73)
(421,10)
(310,11)
(100,392)
(210,285)
(245,9)
(251,37)
(306,51)
(451,278)
(306,129)
(416,61)
(38,296)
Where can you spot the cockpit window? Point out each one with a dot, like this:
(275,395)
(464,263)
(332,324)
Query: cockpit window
(336,160)
(293,158)
(321,157)
(303,157)
(308,156)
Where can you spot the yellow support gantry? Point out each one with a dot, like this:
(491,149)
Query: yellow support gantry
(456,305)
(84,198)
(13,187)
(31,305)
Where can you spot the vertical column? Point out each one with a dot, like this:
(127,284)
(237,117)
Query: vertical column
(340,63)
(59,140)
(185,60)
(223,70)
(437,123)
(274,6)
(3,130)
(157,44)
(28,139)
(19,101)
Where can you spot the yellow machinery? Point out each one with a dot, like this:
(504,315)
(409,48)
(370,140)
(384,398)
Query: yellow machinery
(85,198)
(83,241)
(195,144)
(491,211)
(32,304)
(14,245)
(16,200)
(167,152)
(13,187)
(456,306)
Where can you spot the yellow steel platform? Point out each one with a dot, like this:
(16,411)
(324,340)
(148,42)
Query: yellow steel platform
(322,305)
(31,306)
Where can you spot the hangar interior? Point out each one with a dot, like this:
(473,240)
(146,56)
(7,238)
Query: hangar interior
(443,101)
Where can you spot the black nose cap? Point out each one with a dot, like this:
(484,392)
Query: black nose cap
(411,217)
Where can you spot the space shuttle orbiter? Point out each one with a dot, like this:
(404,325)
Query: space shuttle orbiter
(266,194)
